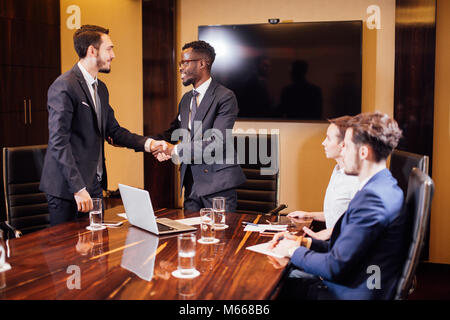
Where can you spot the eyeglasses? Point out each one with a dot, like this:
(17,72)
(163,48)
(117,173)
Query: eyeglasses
(185,63)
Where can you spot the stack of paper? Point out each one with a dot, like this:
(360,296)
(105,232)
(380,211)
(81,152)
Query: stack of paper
(280,251)
(266,227)
(191,221)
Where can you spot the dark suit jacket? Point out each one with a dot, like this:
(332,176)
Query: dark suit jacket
(75,139)
(370,233)
(218,110)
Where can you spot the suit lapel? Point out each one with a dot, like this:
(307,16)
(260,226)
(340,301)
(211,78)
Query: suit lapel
(336,230)
(204,106)
(87,93)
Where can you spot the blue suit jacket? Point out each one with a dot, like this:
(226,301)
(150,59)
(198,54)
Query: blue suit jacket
(369,235)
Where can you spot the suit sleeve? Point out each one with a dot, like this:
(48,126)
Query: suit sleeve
(362,230)
(216,138)
(60,108)
(319,245)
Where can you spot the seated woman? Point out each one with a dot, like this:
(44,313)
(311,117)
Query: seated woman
(341,188)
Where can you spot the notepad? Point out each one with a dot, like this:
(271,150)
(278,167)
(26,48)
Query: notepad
(191,221)
(280,251)
(265,227)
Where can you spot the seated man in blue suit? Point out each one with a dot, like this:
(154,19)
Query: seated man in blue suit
(364,257)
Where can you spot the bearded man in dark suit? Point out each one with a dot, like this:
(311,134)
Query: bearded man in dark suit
(80,119)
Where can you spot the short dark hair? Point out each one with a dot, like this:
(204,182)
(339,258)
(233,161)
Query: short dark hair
(203,48)
(377,130)
(342,124)
(88,35)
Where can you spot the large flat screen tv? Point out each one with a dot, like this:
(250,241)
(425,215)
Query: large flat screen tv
(290,71)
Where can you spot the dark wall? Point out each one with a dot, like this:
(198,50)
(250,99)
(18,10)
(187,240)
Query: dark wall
(415,42)
(160,106)
(415,46)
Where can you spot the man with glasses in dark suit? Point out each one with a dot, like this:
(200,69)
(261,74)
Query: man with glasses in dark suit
(206,116)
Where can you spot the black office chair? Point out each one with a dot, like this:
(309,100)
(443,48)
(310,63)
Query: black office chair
(417,205)
(8,231)
(402,163)
(259,158)
(26,205)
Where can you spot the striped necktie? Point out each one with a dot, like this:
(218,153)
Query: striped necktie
(98,111)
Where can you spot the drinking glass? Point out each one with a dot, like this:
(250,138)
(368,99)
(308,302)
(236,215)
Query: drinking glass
(186,289)
(4,266)
(186,253)
(208,232)
(95,215)
(219,212)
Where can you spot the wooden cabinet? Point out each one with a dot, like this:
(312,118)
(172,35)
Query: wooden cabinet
(33,51)
(25,88)
(5,41)
(38,11)
(29,62)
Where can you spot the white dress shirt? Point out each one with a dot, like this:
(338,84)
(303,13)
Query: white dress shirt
(340,191)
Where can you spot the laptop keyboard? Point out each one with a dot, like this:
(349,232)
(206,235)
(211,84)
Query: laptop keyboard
(163,227)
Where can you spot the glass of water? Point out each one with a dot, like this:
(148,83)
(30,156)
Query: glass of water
(208,232)
(4,266)
(219,212)
(186,253)
(95,215)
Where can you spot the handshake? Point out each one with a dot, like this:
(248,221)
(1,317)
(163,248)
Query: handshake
(161,150)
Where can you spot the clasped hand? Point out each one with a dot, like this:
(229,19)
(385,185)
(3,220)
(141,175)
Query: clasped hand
(161,150)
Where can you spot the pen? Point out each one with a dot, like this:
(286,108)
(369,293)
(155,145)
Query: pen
(281,238)
(249,223)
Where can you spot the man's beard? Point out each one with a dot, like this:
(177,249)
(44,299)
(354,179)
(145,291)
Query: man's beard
(188,82)
(100,67)
(105,70)
(356,167)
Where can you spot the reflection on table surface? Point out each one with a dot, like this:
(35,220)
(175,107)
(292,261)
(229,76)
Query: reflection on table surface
(69,262)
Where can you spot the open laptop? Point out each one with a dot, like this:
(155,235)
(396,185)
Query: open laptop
(139,210)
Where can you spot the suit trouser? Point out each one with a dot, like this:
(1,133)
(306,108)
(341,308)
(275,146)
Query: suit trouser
(64,210)
(193,202)
(300,285)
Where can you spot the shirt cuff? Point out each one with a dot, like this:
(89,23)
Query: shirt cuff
(147,145)
(291,250)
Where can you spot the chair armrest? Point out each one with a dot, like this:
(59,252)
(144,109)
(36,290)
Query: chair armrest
(16,232)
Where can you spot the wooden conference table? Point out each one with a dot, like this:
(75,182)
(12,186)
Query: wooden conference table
(69,262)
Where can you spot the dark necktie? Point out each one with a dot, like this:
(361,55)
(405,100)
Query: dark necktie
(98,106)
(98,111)
(194,107)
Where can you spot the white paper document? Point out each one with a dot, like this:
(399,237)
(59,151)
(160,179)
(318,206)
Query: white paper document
(190,221)
(280,251)
(264,227)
